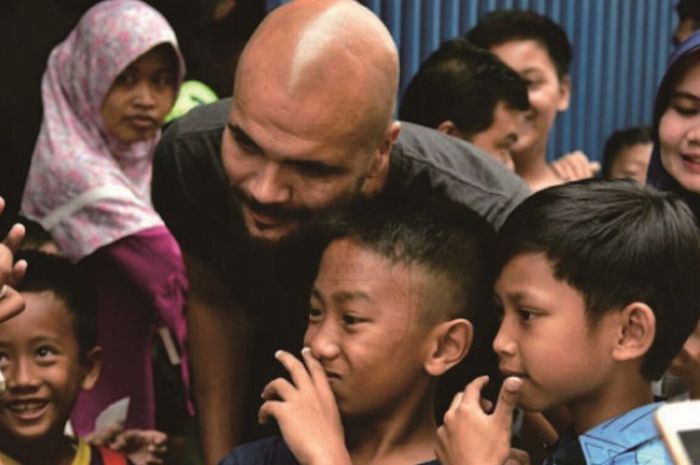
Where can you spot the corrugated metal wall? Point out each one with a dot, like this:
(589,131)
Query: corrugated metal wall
(620,48)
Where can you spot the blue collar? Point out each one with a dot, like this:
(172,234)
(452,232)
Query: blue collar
(620,434)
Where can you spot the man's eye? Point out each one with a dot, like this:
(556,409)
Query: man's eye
(526,315)
(314,314)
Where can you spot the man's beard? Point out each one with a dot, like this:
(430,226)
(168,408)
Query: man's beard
(310,221)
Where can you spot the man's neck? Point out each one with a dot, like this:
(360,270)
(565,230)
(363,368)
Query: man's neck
(403,437)
(622,394)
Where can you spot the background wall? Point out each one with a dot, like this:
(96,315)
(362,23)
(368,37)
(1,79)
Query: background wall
(620,49)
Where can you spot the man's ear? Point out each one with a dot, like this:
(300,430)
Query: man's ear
(446,127)
(91,364)
(377,176)
(636,332)
(448,344)
(564,93)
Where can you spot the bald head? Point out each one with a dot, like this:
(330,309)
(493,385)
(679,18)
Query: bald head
(332,55)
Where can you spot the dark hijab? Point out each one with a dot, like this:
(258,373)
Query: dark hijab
(676,68)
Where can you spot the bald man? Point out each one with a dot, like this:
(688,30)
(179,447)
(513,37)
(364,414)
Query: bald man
(308,130)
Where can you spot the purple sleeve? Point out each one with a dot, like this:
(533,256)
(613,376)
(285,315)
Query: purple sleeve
(152,261)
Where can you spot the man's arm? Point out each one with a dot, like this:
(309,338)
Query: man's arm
(219,333)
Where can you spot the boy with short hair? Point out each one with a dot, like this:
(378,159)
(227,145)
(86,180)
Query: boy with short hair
(390,313)
(598,289)
(627,154)
(47,354)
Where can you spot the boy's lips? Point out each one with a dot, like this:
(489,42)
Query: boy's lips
(27,409)
(506,372)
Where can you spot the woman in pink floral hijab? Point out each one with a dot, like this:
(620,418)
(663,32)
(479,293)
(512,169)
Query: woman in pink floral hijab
(106,91)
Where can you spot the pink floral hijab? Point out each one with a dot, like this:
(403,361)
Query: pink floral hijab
(87,188)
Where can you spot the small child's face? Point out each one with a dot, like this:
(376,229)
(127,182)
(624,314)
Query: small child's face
(632,162)
(140,97)
(40,359)
(545,338)
(679,130)
(363,328)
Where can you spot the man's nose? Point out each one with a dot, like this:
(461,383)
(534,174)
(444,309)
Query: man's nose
(268,185)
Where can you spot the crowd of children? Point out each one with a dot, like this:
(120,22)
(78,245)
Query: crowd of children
(583,297)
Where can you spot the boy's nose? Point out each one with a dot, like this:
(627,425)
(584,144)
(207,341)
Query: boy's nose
(503,343)
(20,374)
(322,343)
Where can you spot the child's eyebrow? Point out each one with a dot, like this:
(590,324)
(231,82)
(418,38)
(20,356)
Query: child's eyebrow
(345,296)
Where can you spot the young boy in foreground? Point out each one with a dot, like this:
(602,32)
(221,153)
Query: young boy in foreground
(598,290)
(47,354)
(390,313)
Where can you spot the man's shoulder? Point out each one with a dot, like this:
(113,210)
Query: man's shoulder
(267,451)
(457,168)
(202,119)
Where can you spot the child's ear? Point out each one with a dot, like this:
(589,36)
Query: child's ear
(91,364)
(448,344)
(636,332)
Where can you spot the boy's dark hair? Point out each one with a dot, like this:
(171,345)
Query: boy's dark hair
(35,235)
(434,232)
(621,139)
(688,9)
(616,242)
(502,26)
(462,83)
(48,272)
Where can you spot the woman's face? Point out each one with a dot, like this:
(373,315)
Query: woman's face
(141,96)
(679,130)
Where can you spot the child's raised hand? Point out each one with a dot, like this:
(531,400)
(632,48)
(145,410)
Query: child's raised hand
(469,435)
(306,411)
(11,302)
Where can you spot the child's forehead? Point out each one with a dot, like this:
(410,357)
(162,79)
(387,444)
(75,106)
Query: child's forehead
(44,313)
(529,269)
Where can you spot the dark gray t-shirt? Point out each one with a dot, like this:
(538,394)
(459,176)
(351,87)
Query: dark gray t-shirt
(191,192)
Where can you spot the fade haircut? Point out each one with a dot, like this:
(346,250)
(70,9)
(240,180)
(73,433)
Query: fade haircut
(53,273)
(448,239)
(616,242)
(620,140)
(462,83)
(503,26)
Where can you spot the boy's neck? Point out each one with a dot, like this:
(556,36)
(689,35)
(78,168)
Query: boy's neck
(55,450)
(534,169)
(622,394)
(404,436)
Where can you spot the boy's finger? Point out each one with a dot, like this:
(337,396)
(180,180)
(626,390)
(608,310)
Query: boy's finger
(456,400)
(268,409)
(11,303)
(278,388)
(316,371)
(14,237)
(18,271)
(507,399)
(472,393)
(296,369)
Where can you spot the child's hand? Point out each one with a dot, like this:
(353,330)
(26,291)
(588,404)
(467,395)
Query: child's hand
(471,436)
(142,447)
(11,302)
(686,365)
(574,166)
(306,411)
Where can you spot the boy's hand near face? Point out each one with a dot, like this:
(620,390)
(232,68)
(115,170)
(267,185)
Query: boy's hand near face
(306,412)
(142,447)
(11,302)
(686,365)
(469,435)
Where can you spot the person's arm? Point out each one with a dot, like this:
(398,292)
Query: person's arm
(574,166)
(219,335)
